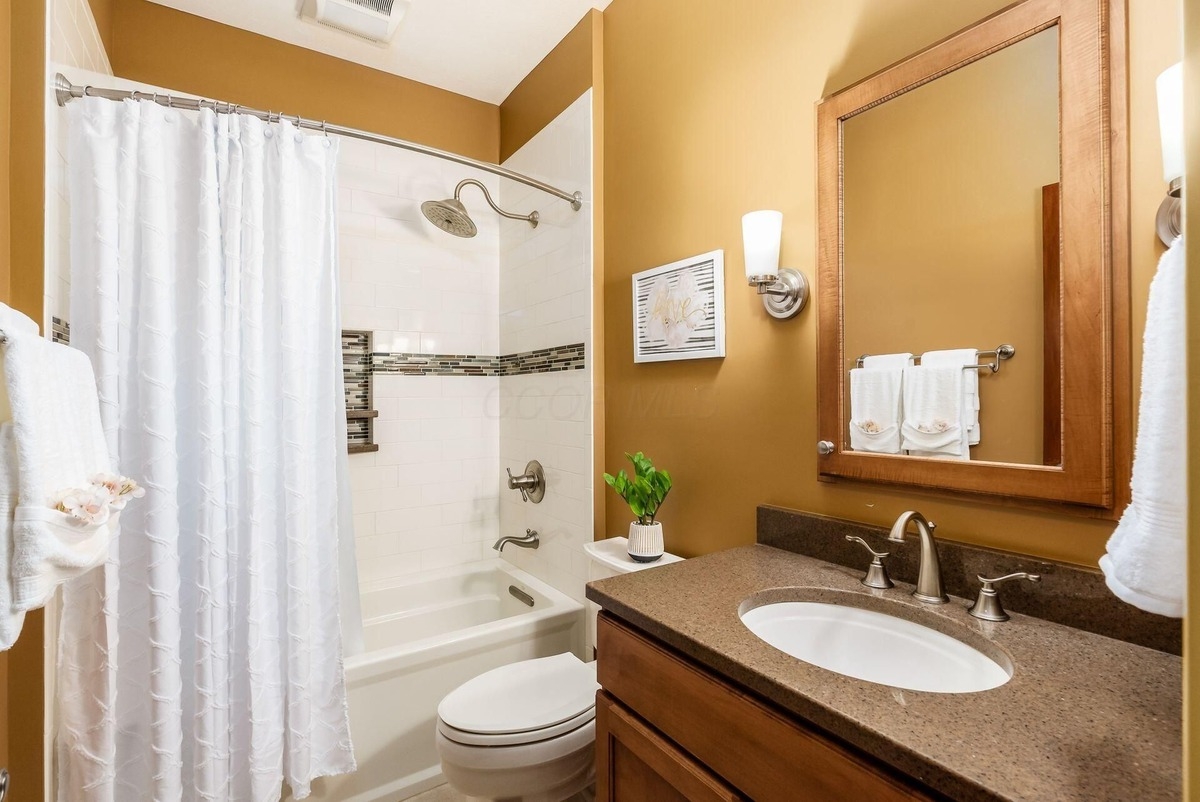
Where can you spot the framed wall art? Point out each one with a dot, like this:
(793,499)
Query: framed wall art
(679,310)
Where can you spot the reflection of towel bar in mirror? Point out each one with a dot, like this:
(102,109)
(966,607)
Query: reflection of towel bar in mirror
(1005,351)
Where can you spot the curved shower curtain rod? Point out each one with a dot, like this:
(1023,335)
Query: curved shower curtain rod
(65,91)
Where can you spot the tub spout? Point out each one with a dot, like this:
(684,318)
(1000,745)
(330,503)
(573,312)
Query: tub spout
(530,541)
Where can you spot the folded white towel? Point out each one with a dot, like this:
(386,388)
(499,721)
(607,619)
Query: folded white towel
(933,407)
(887,361)
(1145,562)
(11,619)
(60,446)
(961,356)
(875,410)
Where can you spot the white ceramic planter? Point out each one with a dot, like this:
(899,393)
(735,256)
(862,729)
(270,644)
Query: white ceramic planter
(645,542)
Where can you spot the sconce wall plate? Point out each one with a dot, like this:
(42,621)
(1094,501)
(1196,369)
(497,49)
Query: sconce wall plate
(787,296)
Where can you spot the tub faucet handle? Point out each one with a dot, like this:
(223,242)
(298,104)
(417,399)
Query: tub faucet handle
(531,484)
(513,485)
(877,575)
(987,605)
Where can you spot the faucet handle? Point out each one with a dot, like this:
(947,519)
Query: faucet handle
(514,485)
(987,605)
(877,575)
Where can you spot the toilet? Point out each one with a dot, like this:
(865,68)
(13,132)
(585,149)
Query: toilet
(526,731)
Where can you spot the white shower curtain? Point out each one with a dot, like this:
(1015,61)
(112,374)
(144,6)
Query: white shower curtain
(205,661)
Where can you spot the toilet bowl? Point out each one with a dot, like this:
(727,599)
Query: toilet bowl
(527,731)
(522,731)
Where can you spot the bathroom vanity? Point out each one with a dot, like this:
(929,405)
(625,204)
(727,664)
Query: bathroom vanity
(695,706)
(737,747)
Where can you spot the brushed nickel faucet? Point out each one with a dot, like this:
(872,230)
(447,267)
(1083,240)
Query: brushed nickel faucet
(531,484)
(929,575)
(530,541)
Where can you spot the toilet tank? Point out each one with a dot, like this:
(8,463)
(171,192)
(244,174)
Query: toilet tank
(609,558)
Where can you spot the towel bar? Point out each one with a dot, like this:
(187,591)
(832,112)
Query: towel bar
(1002,352)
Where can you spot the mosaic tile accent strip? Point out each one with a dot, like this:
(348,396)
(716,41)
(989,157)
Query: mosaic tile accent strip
(544,360)
(356,376)
(60,331)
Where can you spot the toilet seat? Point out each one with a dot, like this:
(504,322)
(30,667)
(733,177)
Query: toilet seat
(521,703)
(517,738)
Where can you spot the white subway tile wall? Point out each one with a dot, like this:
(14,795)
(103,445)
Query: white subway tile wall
(430,496)
(546,300)
(74,38)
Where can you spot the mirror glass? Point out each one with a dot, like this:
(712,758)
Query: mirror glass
(950,236)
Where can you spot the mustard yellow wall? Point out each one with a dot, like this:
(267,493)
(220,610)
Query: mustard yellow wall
(164,47)
(1191,632)
(561,77)
(710,114)
(926,176)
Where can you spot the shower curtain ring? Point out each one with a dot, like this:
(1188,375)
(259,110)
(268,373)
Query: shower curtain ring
(324,129)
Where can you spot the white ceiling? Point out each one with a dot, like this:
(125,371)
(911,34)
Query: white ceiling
(478,48)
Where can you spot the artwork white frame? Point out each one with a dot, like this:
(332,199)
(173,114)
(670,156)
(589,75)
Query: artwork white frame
(674,289)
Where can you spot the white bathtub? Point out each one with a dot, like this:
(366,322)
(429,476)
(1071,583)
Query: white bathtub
(424,637)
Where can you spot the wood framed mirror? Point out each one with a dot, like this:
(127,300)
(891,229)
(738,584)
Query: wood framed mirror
(972,195)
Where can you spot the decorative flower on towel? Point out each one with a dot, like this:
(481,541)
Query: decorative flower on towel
(119,488)
(89,505)
(675,312)
(93,504)
(870,427)
(938,425)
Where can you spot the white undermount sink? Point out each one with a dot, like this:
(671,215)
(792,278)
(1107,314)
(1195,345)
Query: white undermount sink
(874,646)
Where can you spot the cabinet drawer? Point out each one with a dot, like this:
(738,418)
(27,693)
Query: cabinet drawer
(759,751)
(635,763)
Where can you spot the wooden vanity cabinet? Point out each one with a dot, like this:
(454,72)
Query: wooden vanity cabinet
(669,729)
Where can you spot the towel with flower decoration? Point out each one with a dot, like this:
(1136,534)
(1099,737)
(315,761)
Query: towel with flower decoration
(66,492)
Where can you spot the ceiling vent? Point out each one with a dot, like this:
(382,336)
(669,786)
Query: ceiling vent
(374,20)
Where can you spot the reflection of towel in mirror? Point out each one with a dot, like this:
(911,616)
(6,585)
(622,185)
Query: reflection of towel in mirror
(875,403)
(961,356)
(1144,565)
(875,410)
(933,413)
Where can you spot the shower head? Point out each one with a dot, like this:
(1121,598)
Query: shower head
(451,216)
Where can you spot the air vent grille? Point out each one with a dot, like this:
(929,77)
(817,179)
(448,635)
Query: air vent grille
(378,6)
(374,20)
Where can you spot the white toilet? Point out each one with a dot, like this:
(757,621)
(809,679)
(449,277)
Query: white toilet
(526,731)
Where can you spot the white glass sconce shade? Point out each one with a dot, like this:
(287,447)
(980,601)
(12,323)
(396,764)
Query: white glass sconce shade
(1169,220)
(761,233)
(1170,121)
(784,291)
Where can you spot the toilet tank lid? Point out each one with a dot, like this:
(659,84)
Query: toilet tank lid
(523,696)
(613,553)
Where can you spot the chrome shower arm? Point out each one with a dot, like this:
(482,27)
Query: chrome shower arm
(531,218)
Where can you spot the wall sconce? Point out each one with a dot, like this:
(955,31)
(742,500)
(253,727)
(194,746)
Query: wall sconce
(1169,220)
(784,291)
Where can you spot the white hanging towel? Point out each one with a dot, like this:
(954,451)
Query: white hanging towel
(60,446)
(11,619)
(933,422)
(875,403)
(962,356)
(1144,565)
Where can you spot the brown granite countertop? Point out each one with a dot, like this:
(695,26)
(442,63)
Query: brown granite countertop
(1084,717)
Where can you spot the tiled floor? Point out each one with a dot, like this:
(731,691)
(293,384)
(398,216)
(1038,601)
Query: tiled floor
(443,793)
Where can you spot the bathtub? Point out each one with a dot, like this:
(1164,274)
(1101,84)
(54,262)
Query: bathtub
(425,636)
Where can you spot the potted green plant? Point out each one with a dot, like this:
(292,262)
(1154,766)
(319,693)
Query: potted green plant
(644,492)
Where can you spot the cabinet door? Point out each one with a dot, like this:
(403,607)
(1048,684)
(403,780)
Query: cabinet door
(634,763)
